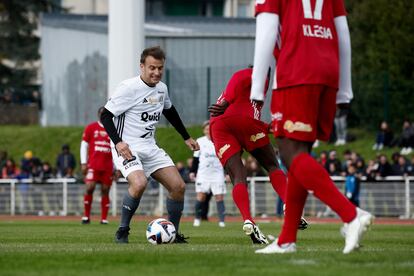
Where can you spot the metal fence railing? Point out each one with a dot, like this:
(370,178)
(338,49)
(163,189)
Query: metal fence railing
(388,197)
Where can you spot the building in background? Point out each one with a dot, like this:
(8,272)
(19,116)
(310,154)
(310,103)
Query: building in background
(202,53)
(208,8)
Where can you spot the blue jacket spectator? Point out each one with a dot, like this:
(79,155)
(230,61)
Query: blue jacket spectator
(352,185)
(65,162)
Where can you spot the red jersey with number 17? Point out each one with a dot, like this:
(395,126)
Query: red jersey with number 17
(99,150)
(307,48)
(237,94)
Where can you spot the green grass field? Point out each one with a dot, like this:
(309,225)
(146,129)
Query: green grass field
(68,248)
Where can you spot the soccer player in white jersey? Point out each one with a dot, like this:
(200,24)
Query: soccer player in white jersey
(135,109)
(208,174)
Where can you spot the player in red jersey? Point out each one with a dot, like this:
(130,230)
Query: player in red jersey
(235,125)
(97,167)
(313,75)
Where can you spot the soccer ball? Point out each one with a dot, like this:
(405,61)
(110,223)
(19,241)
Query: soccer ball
(160,231)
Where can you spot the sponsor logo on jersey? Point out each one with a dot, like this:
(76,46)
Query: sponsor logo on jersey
(131,164)
(317,31)
(222,150)
(210,155)
(297,126)
(153,100)
(257,136)
(146,117)
(277,116)
(102,149)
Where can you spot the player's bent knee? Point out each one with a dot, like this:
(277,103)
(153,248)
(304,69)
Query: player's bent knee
(177,192)
(137,185)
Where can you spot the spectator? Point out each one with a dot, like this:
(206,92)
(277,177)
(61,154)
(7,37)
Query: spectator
(352,185)
(29,165)
(360,167)
(323,157)
(394,157)
(10,170)
(333,160)
(47,171)
(36,173)
(333,170)
(384,137)
(402,167)
(410,167)
(371,171)
(347,159)
(405,141)
(341,126)
(384,167)
(65,162)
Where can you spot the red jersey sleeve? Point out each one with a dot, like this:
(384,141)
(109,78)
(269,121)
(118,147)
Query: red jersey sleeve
(338,8)
(271,6)
(87,134)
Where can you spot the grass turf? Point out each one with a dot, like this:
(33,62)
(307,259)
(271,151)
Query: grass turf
(68,248)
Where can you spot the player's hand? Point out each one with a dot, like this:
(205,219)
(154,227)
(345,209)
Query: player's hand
(84,169)
(218,109)
(123,149)
(192,144)
(192,176)
(117,175)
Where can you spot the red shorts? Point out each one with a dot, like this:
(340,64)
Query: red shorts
(103,177)
(304,113)
(232,134)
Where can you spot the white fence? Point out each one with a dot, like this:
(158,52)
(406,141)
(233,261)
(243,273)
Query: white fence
(389,197)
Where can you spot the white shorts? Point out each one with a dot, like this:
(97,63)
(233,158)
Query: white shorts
(217,188)
(147,157)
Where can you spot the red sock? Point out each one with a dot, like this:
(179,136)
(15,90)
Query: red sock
(295,201)
(278,180)
(87,203)
(241,198)
(314,178)
(104,207)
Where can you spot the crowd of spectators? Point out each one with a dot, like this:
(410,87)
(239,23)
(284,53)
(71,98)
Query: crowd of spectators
(381,166)
(31,167)
(399,163)
(405,141)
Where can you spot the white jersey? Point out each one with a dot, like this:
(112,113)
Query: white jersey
(137,108)
(209,166)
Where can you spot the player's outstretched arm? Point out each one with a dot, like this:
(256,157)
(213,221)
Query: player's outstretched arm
(344,95)
(174,118)
(267,26)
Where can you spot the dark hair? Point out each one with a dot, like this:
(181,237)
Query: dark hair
(101,109)
(156,52)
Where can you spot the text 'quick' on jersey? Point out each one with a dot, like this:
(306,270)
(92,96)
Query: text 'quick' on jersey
(137,108)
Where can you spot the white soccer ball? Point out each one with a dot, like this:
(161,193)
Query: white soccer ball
(160,231)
